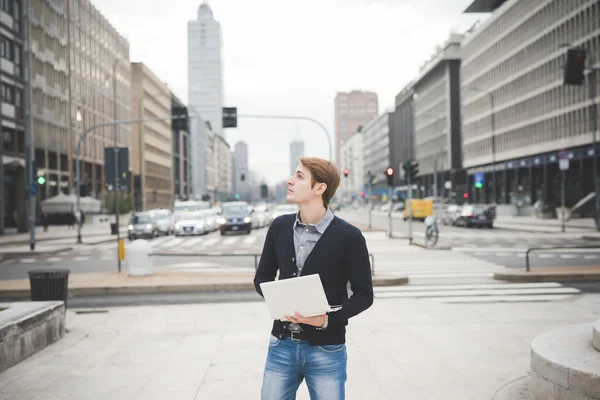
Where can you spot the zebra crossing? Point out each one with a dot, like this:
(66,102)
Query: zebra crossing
(452,277)
(201,244)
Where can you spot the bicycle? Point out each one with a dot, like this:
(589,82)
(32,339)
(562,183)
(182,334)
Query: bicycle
(432,232)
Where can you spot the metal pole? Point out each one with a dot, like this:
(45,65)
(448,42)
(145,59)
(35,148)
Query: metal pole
(562,199)
(390,212)
(117,186)
(30,152)
(296,118)
(493,121)
(370,183)
(408,205)
(594,128)
(78,183)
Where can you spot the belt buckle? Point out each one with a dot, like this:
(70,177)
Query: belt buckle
(292,335)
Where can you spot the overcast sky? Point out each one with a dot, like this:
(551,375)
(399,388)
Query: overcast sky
(290,57)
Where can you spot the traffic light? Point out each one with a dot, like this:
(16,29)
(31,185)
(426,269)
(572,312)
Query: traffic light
(465,195)
(242,177)
(389,174)
(264,191)
(574,67)
(362,194)
(41,180)
(346,172)
(411,169)
(229,117)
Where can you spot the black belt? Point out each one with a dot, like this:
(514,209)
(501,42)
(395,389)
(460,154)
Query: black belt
(295,335)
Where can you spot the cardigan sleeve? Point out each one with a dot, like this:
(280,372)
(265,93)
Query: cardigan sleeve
(267,266)
(358,267)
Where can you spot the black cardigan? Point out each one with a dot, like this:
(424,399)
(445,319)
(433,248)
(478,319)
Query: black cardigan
(340,256)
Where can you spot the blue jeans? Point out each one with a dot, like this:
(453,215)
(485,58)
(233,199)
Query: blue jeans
(290,361)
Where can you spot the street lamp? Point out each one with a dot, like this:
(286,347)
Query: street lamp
(490,95)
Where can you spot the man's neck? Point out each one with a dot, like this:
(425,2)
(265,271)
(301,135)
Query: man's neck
(312,213)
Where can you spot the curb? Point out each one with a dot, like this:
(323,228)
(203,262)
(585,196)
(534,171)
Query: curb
(424,246)
(21,254)
(531,277)
(591,238)
(48,239)
(165,289)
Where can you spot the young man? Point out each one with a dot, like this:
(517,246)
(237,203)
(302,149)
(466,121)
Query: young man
(314,241)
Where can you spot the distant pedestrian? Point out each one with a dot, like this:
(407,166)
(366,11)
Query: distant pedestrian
(313,348)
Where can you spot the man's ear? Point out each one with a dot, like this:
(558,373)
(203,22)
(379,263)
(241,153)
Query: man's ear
(321,188)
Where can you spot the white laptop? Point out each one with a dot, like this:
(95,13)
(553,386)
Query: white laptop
(304,294)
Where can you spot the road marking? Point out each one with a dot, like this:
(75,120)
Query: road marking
(54,259)
(191,242)
(568,256)
(210,241)
(250,239)
(230,241)
(482,253)
(107,258)
(81,258)
(27,260)
(591,257)
(503,254)
(169,243)
(240,252)
(544,255)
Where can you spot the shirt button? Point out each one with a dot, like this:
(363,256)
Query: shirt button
(293,259)
(280,336)
(294,274)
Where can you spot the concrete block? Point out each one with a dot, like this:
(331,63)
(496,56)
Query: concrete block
(28,327)
(553,372)
(540,388)
(585,381)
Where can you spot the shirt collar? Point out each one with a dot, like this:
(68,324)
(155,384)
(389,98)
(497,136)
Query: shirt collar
(319,226)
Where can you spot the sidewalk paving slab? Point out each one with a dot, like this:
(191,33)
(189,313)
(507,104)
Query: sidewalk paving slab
(161,281)
(550,274)
(407,349)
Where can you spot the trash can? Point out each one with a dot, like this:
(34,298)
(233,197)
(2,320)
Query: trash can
(139,259)
(49,284)
(113,228)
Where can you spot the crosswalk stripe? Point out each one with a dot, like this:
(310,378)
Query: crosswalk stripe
(229,241)
(501,299)
(211,241)
(250,239)
(168,243)
(190,242)
(462,287)
(479,292)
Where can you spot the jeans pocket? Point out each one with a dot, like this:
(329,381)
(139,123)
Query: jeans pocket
(332,348)
(274,341)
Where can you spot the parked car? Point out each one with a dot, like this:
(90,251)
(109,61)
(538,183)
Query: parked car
(477,215)
(235,217)
(163,221)
(142,225)
(191,223)
(451,214)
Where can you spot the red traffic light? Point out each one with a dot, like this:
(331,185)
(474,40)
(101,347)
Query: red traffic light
(346,171)
(466,195)
(362,194)
(389,171)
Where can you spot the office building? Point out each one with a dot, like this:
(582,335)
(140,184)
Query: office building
(353,111)
(402,142)
(352,158)
(152,159)
(517,113)
(181,150)
(242,171)
(205,85)
(437,121)
(296,152)
(13,204)
(218,167)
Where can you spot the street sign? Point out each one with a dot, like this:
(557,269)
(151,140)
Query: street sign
(563,164)
(33,189)
(563,155)
(563,160)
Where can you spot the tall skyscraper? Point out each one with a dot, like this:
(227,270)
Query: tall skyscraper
(352,111)
(296,151)
(205,87)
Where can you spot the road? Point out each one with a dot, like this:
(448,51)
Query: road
(499,246)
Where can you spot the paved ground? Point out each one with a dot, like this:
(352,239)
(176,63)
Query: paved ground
(400,348)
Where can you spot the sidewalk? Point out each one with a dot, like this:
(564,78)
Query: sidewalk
(161,281)
(532,223)
(409,349)
(60,232)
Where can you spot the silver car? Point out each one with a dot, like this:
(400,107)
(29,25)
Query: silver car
(191,223)
(142,225)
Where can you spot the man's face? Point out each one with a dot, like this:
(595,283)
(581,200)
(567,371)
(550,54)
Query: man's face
(299,186)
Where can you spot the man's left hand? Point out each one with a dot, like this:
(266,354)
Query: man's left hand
(317,321)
